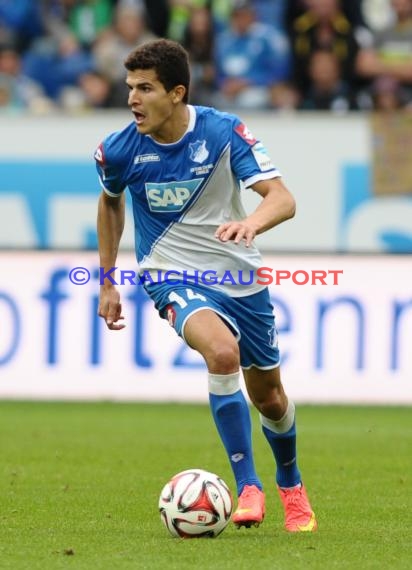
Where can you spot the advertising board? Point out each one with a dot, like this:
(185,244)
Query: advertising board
(344,341)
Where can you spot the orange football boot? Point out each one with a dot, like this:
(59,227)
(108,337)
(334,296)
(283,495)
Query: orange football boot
(251,507)
(299,516)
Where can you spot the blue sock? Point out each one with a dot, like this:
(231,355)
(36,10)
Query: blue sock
(284,449)
(232,419)
(281,436)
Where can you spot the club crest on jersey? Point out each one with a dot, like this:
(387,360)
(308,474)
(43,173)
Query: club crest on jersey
(198,151)
(246,135)
(170,197)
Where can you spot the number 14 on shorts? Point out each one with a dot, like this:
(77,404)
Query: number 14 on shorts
(190,295)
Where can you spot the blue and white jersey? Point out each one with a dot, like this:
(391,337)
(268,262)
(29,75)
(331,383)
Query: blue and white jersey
(183,191)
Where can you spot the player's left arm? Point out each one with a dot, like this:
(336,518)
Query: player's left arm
(277,206)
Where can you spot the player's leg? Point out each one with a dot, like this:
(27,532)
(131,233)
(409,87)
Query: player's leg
(206,332)
(200,316)
(277,415)
(260,362)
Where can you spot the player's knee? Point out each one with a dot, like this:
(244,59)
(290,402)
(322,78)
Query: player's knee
(223,359)
(271,405)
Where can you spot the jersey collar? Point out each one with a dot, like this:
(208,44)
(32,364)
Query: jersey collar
(190,128)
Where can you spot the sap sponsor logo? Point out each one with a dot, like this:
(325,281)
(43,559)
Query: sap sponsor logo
(170,197)
(198,151)
(373,223)
(262,158)
(246,135)
(146,158)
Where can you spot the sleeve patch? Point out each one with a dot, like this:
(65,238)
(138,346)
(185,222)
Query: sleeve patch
(245,134)
(262,158)
(99,155)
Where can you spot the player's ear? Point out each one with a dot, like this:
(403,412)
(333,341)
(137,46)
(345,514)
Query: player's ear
(178,93)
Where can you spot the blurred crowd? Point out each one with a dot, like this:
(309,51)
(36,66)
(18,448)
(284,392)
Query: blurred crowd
(334,55)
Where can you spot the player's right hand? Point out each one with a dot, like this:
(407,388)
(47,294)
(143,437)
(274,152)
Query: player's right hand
(110,308)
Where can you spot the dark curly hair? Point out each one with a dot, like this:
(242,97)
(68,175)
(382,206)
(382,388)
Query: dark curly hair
(167,58)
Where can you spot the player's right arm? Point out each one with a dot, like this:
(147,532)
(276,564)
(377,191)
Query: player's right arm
(110,224)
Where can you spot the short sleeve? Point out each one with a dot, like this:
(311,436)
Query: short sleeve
(108,172)
(250,160)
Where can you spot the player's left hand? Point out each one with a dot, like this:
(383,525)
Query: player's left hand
(236,232)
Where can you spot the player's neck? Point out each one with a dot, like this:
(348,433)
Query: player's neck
(175,127)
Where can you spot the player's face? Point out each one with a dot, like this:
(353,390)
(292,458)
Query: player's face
(152,106)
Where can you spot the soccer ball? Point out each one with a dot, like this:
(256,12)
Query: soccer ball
(195,503)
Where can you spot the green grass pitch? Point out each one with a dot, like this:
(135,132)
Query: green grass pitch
(79,485)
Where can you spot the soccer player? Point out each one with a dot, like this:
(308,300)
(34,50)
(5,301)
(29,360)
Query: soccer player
(183,166)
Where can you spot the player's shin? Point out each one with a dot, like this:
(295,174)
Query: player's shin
(232,418)
(281,436)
